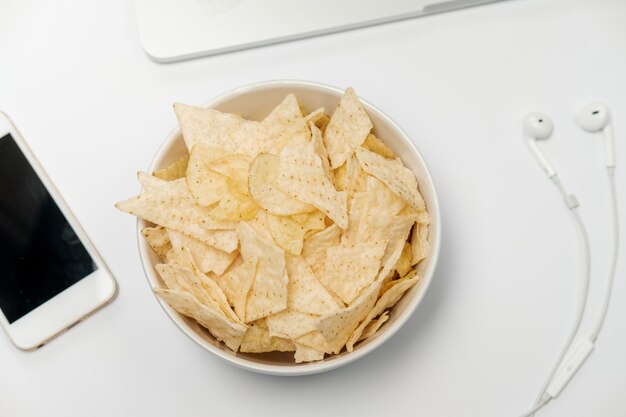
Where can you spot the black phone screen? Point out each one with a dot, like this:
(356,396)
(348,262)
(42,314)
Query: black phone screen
(40,253)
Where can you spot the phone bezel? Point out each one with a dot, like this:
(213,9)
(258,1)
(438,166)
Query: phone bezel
(75,303)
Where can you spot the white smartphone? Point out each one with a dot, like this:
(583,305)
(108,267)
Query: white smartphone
(51,276)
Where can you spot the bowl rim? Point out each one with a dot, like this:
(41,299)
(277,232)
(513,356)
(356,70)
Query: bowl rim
(337,361)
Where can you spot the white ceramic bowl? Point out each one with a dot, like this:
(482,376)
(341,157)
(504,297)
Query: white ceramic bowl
(255,102)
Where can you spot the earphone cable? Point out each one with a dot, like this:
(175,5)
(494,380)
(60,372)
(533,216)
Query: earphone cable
(609,290)
(571,203)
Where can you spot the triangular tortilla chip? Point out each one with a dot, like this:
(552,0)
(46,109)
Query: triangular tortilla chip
(204,289)
(314,248)
(337,327)
(303,178)
(320,148)
(284,126)
(419,243)
(349,269)
(304,292)
(314,340)
(347,129)
(307,354)
(269,290)
(371,329)
(291,324)
(263,182)
(394,175)
(207,258)
(236,284)
(258,340)
(212,127)
(213,319)
(388,299)
(169,204)
(373,144)
(158,240)
(173,171)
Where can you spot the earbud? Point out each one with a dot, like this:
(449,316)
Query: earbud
(538,126)
(595,117)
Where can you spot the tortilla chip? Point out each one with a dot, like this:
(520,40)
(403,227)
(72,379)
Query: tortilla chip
(314,116)
(169,204)
(387,300)
(264,173)
(212,319)
(173,171)
(320,148)
(337,327)
(207,258)
(349,269)
(199,285)
(307,354)
(394,175)
(302,177)
(258,340)
(236,284)
(371,329)
(314,248)
(284,126)
(304,292)
(340,177)
(373,144)
(212,127)
(289,232)
(347,129)
(314,340)
(404,263)
(291,324)
(419,243)
(158,240)
(269,291)
(235,207)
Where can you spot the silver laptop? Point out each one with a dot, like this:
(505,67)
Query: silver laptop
(174,30)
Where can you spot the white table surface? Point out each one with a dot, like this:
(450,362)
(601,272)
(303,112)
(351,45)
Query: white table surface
(94,108)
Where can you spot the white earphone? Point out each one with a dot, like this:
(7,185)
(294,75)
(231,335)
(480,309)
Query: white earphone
(538,126)
(594,117)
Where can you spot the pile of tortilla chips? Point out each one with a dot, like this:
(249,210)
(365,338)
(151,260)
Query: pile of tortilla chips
(297,233)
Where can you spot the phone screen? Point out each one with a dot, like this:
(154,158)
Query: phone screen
(40,253)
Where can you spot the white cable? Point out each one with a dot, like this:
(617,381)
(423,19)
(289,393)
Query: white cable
(609,289)
(571,203)
(536,408)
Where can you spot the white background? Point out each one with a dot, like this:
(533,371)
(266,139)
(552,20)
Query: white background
(94,108)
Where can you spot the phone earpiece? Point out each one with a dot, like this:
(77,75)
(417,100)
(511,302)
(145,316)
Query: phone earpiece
(539,126)
(595,117)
